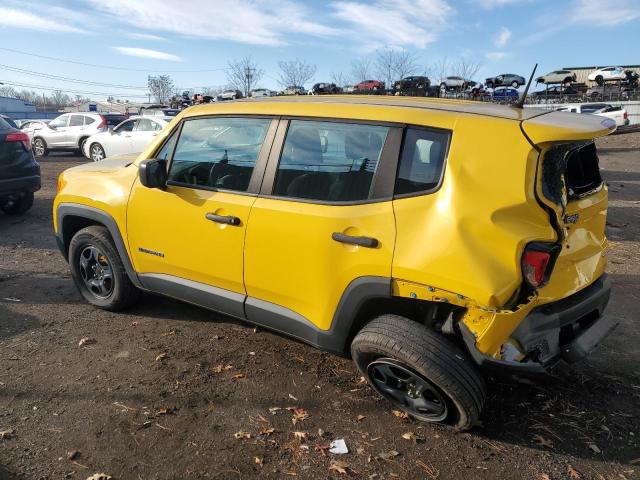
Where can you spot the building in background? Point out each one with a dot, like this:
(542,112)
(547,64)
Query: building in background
(14,106)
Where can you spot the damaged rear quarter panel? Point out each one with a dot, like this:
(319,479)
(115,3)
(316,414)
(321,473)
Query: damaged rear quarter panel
(468,236)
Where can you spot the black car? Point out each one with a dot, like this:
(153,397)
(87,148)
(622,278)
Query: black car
(414,86)
(19,171)
(506,80)
(557,91)
(324,88)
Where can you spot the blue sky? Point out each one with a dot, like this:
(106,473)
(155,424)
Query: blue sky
(193,40)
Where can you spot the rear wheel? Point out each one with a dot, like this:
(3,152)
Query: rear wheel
(39,147)
(515,84)
(599,79)
(17,205)
(81,144)
(96,152)
(419,371)
(98,271)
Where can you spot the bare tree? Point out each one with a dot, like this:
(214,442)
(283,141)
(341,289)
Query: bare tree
(60,99)
(361,69)
(295,73)
(8,92)
(466,68)
(394,64)
(161,87)
(339,78)
(439,70)
(244,74)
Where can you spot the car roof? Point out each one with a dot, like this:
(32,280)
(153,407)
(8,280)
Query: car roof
(269,106)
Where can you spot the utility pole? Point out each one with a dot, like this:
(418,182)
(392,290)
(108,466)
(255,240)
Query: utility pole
(248,75)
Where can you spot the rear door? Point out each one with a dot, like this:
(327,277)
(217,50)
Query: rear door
(324,219)
(144,131)
(74,131)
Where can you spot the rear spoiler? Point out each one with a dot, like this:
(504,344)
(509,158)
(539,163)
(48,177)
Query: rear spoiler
(565,126)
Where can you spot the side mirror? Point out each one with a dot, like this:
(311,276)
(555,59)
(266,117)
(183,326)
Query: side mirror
(110,130)
(153,173)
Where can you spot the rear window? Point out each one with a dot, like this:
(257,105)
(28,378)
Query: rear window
(583,172)
(6,123)
(421,161)
(113,120)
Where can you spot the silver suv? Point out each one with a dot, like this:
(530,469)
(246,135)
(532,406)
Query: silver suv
(69,131)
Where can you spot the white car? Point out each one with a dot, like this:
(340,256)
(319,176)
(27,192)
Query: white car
(70,131)
(261,92)
(607,74)
(131,136)
(30,127)
(616,113)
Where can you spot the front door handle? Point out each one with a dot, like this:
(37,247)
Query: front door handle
(226,219)
(368,242)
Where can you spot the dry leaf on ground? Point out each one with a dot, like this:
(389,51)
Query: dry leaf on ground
(238,376)
(259,461)
(543,442)
(86,341)
(340,467)
(160,357)
(573,473)
(6,434)
(400,414)
(299,414)
(100,476)
(242,434)
(300,435)
(360,418)
(412,437)
(221,368)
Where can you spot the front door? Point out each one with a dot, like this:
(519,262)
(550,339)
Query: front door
(57,134)
(143,133)
(188,239)
(324,219)
(119,141)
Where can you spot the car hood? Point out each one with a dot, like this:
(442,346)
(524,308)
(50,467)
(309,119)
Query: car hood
(111,164)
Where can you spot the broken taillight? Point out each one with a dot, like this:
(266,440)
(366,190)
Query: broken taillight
(537,262)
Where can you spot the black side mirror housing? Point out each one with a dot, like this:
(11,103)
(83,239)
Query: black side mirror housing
(153,173)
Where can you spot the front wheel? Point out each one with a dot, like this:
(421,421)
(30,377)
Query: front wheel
(419,371)
(96,152)
(98,271)
(515,84)
(40,148)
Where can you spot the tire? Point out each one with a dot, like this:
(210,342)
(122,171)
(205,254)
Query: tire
(95,246)
(96,152)
(599,79)
(39,147)
(402,345)
(19,206)
(81,145)
(515,84)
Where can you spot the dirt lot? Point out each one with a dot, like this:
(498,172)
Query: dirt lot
(165,388)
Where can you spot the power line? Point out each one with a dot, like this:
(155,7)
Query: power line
(67,79)
(66,90)
(110,67)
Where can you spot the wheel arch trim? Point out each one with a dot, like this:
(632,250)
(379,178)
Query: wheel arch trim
(98,216)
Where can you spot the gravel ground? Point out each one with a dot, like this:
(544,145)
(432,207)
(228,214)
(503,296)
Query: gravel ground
(164,390)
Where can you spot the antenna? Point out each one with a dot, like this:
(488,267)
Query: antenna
(520,103)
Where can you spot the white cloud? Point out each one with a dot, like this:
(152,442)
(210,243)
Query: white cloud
(502,38)
(395,23)
(48,19)
(148,53)
(491,4)
(244,21)
(144,36)
(495,56)
(605,13)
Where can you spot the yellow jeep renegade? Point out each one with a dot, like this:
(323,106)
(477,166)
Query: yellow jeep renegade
(428,239)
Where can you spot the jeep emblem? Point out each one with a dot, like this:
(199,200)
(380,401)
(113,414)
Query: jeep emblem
(571,219)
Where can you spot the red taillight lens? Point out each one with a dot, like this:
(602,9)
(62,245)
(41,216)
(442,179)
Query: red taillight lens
(625,115)
(534,267)
(103,123)
(19,137)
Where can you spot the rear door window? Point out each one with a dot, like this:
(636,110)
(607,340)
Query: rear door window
(218,153)
(76,121)
(329,161)
(421,161)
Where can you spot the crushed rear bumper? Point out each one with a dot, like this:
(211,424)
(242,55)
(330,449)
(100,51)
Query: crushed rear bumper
(564,330)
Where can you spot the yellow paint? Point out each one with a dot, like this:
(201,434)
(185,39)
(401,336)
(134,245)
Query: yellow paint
(461,244)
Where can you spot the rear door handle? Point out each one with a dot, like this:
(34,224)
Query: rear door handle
(226,219)
(368,242)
